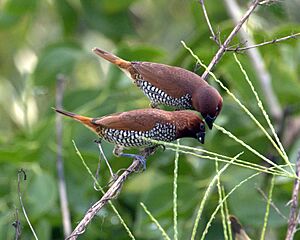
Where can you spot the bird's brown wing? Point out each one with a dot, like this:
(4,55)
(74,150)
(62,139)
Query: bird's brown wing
(174,81)
(136,120)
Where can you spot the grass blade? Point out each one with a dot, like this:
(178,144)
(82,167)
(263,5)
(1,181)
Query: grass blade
(206,194)
(164,234)
(263,233)
(175,186)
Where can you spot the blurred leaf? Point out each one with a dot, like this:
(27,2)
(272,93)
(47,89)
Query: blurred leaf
(140,53)
(41,194)
(68,16)
(14,10)
(295,151)
(114,6)
(57,59)
(23,151)
(43,229)
(106,22)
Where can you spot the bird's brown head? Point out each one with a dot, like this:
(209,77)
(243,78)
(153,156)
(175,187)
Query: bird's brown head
(208,102)
(189,124)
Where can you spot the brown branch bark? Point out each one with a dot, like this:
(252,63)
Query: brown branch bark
(59,162)
(111,193)
(258,64)
(225,45)
(293,219)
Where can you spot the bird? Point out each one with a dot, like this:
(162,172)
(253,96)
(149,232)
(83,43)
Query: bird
(238,231)
(171,86)
(132,128)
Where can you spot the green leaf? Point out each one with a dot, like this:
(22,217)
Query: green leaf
(114,6)
(57,59)
(14,10)
(113,25)
(41,194)
(69,16)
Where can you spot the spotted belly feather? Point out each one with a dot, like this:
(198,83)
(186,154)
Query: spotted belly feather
(158,96)
(128,138)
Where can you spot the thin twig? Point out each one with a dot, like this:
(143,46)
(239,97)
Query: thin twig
(21,171)
(106,161)
(17,225)
(111,193)
(213,35)
(272,203)
(240,49)
(268,2)
(292,223)
(97,174)
(234,32)
(257,62)
(63,198)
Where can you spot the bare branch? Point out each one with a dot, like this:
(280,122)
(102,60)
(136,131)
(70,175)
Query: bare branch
(240,49)
(234,32)
(213,35)
(111,193)
(59,163)
(293,219)
(258,64)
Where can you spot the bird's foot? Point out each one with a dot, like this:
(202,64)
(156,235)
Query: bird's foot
(162,146)
(154,105)
(141,159)
(98,141)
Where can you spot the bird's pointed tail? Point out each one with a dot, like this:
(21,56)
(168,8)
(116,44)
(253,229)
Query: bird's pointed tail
(87,121)
(112,58)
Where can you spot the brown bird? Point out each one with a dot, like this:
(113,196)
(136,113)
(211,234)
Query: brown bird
(129,129)
(172,86)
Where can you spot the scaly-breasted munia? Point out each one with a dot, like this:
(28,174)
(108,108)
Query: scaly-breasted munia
(130,129)
(172,86)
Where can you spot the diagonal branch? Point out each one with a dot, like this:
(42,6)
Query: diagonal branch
(111,193)
(226,43)
(258,64)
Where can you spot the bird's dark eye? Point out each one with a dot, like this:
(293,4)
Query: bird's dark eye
(202,127)
(217,109)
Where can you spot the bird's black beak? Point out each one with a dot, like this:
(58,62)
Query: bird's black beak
(209,121)
(201,137)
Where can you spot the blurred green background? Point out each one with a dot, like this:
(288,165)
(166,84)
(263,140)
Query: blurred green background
(41,39)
